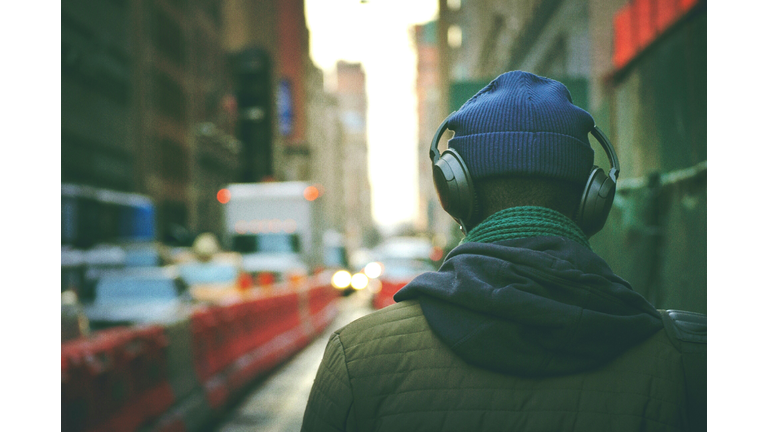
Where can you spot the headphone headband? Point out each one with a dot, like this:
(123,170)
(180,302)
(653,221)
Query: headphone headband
(613,173)
(434,153)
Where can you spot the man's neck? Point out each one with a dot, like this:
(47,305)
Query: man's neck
(525,221)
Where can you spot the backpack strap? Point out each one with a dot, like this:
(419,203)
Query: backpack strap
(688,333)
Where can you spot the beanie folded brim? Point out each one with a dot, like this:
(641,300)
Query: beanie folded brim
(545,154)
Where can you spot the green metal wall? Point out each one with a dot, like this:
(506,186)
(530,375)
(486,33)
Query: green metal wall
(461,91)
(655,238)
(656,235)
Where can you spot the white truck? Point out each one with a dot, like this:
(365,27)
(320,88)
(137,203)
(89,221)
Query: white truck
(274,226)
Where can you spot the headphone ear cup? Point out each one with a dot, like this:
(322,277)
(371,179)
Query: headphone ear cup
(596,202)
(454,186)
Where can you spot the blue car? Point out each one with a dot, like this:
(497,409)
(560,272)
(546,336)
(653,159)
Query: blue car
(138,296)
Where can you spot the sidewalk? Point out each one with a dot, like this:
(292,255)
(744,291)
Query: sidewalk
(278,404)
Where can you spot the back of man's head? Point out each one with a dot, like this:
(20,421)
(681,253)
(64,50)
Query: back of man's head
(524,142)
(498,193)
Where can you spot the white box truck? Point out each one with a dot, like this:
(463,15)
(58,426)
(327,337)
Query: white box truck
(274,226)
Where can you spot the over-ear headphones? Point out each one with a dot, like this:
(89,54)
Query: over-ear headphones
(457,192)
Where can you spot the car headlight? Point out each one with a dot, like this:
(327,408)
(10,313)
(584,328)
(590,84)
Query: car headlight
(372,270)
(359,281)
(341,279)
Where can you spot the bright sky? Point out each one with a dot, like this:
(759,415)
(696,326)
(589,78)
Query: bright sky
(376,33)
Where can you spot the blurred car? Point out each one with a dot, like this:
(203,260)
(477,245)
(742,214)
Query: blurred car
(72,270)
(404,248)
(268,269)
(74,323)
(395,274)
(144,254)
(398,261)
(96,261)
(220,279)
(345,282)
(138,296)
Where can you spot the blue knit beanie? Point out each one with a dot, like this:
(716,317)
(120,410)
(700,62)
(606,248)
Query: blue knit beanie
(523,124)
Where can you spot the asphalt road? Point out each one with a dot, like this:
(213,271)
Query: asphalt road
(277,403)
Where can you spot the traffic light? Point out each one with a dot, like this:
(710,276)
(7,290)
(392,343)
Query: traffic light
(253,78)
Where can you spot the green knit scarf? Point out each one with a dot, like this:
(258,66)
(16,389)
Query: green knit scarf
(526,221)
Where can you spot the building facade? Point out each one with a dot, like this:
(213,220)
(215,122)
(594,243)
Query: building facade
(97,142)
(353,108)
(184,133)
(143,89)
(430,217)
(325,136)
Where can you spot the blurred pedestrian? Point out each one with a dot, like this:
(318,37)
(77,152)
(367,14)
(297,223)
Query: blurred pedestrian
(523,327)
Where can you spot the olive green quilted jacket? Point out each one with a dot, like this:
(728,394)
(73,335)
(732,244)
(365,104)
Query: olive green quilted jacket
(389,372)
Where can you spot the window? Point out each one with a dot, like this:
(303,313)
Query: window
(173,161)
(272,243)
(168,37)
(168,96)
(454,36)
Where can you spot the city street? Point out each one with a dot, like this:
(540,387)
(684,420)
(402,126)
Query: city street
(277,403)
(241,178)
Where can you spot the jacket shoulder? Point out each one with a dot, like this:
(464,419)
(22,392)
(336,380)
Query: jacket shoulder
(685,327)
(687,331)
(403,317)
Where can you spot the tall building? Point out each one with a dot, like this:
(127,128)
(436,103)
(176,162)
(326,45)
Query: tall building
(185,146)
(144,86)
(430,216)
(353,108)
(97,142)
(325,135)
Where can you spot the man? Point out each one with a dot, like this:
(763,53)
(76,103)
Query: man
(523,327)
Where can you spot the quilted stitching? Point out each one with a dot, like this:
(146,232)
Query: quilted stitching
(404,378)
